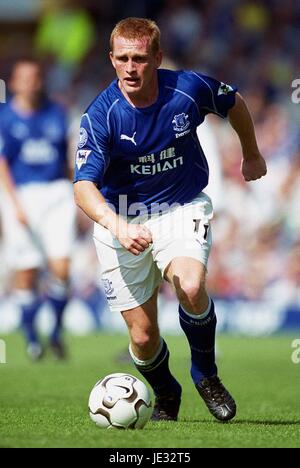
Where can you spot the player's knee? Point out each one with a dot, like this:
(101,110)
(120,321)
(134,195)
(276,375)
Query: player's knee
(62,276)
(60,270)
(144,340)
(25,280)
(190,293)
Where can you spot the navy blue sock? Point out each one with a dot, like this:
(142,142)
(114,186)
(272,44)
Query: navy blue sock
(58,296)
(200,333)
(157,373)
(58,306)
(28,317)
(29,304)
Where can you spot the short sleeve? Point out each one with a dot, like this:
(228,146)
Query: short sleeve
(92,156)
(4,150)
(215,96)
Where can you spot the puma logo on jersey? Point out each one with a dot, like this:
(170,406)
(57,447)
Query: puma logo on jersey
(126,137)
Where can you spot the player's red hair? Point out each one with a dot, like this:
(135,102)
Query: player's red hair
(137,28)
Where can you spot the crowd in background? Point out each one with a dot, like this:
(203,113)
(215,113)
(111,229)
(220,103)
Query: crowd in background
(252,44)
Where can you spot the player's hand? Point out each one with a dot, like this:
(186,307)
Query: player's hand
(21,216)
(253,167)
(135,238)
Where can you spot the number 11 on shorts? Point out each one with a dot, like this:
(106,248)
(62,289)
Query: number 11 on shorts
(205,229)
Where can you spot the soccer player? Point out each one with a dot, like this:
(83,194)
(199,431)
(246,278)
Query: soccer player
(37,203)
(140,175)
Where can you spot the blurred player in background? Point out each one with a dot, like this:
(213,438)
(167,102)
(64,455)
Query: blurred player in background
(37,205)
(138,138)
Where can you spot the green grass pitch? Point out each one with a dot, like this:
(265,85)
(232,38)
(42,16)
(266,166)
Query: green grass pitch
(45,404)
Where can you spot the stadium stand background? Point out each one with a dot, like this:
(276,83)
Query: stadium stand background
(254,268)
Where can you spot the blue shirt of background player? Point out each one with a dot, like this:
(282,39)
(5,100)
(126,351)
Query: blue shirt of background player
(151,154)
(34,144)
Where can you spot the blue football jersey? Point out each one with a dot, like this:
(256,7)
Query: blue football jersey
(152,155)
(34,144)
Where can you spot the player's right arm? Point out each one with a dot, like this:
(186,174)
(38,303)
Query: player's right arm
(7,183)
(92,160)
(133,237)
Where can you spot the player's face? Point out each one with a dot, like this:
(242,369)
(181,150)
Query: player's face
(26,80)
(136,67)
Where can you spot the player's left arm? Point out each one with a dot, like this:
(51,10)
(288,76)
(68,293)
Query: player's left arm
(253,164)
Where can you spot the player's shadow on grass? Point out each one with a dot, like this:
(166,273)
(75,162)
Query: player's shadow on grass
(243,422)
(267,422)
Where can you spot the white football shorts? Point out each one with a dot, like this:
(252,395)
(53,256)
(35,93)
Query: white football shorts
(182,231)
(51,213)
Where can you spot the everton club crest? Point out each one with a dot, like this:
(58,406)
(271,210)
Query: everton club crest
(180,122)
(107,287)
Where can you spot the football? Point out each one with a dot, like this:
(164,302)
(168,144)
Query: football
(120,401)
